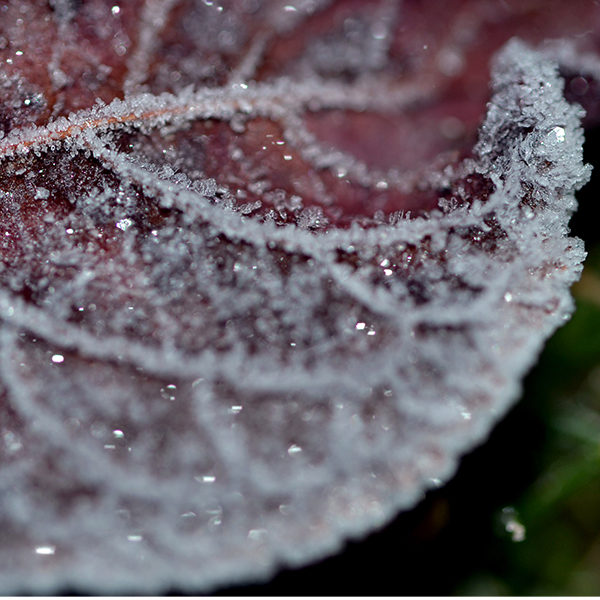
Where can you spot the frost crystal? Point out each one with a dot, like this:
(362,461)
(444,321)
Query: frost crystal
(209,372)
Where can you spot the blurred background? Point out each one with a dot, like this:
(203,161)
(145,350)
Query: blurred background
(522,515)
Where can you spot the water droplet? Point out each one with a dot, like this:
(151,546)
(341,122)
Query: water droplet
(579,86)
(513,525)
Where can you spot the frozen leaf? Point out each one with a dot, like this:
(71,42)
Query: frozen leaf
(266,271)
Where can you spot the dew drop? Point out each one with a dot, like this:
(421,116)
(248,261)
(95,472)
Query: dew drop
(513,525)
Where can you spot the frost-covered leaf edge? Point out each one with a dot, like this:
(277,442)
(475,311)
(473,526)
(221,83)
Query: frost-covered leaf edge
(506,77)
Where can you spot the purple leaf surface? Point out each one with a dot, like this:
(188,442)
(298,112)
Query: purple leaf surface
(267,270)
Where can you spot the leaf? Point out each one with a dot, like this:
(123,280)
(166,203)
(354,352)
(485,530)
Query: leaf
(265,290)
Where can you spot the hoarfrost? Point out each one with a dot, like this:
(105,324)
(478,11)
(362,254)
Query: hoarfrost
(207,373)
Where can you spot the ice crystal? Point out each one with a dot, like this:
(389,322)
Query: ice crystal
(229,339)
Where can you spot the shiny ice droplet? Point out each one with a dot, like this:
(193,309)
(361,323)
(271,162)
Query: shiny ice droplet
(205,478)
(45,550)
(559,133)
(58,358)
(124,224)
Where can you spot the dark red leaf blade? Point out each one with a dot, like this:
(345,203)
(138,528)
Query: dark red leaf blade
(226,343)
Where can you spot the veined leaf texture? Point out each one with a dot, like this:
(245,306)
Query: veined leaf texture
(268,269)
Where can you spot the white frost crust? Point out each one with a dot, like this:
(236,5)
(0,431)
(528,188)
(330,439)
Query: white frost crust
(332,438)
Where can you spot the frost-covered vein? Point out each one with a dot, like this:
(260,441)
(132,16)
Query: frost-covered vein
(123,480)
(155,15)
(250,62)
(250,231)
(376,299)
(235,367)
(63,14)
(385,19)
(272,100)
(98,467)
(320,246)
